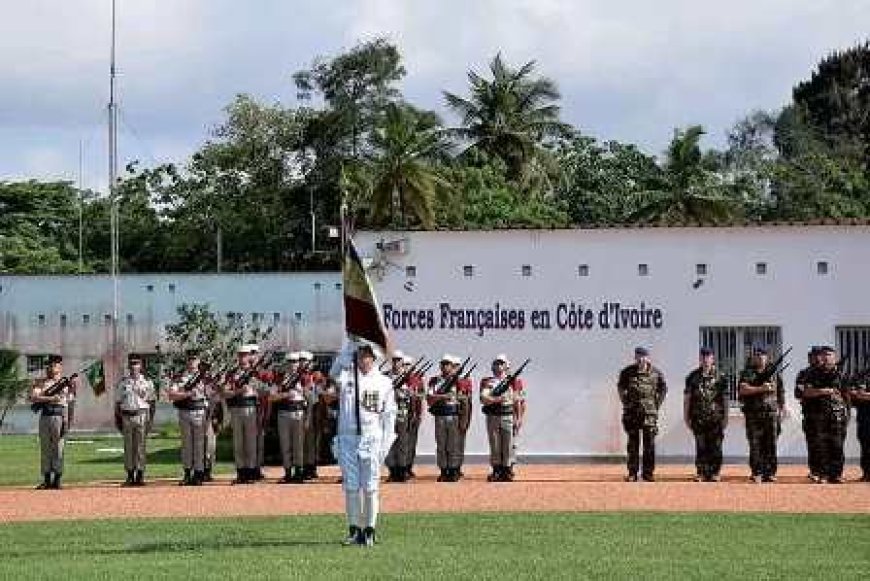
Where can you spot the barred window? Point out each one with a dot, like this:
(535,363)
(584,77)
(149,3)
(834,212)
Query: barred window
(853,346)
(36,364)
(733,345)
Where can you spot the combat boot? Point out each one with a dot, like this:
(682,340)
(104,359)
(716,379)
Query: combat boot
(131,478)
(369,537)
(239,479)
(298,475)
(140,478)
(310,472)
(393,477)
(443,476)
(185,481)
(55,483)
(196,480)
(206,475)
(495,474)
(257,474)
(46,482)
(354,535)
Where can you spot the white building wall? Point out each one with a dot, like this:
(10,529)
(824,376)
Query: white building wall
(308,306)
(573,407)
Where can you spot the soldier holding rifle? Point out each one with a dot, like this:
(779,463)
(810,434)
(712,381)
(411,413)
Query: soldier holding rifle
(51,396)
(762,396)
(188,394)
(501,396)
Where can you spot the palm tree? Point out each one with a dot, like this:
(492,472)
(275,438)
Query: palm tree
(404,172)
(691,190)
(510,116)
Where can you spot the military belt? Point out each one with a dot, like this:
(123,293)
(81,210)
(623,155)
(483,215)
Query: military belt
(53,410)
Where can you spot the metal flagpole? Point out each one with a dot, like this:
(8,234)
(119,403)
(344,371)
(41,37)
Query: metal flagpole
(81,203)
(113,197)
(344,239)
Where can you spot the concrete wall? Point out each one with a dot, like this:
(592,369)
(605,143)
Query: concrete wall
(46,314)
(573,407)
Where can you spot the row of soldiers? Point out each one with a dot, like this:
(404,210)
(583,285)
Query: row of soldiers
(823,391)
(305,405)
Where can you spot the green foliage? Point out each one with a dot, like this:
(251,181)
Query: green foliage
(38,228)
(198,328)
(405,176)
(483,198)
(12,385)
(509,117)
(601,181)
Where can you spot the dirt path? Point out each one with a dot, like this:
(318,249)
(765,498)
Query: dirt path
(538,488)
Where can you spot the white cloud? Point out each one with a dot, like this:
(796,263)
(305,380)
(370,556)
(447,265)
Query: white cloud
(627,69)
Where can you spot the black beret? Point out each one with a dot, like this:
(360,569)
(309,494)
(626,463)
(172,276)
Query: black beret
(705,351)
(52,359)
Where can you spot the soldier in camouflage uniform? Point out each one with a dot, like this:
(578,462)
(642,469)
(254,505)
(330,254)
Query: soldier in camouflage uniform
(827,413)
(642,390)
(860,398)
(808,428)
(705,410)
(762,402)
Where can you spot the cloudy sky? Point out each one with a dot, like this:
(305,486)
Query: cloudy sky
(628,69)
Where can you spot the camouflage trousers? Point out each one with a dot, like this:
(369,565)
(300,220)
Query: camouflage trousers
(864,437)
(829,431)
(762,431)
(637,424)
(708,448)
(811,436)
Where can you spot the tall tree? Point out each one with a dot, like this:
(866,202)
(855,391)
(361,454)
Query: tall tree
(509,116)
(835,102)
(38,228)
(405,178)
(601,180)
(690,189)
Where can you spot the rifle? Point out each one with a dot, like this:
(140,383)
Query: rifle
(52,391)
(468,373)
(774,368)
(289,381)
(248,375)
(448,383)
(403,377)
(200,375)
(508,381)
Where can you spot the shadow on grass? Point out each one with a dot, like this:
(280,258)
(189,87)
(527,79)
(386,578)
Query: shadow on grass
(181,546)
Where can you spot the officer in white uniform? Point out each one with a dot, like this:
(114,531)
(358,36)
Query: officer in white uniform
(366,420)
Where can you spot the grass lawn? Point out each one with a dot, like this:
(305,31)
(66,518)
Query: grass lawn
(88,458)
(493,546)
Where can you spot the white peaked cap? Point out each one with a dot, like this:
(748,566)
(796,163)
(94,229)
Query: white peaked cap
(408,360)
(503,358)
(292,356)
(248,348)
(306,355)
(398,355)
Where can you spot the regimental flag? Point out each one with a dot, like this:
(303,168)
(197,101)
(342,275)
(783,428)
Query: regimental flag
(362,312)
(96,377)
